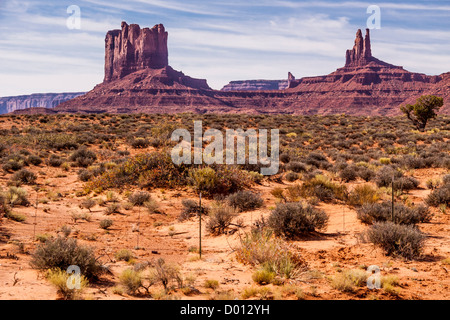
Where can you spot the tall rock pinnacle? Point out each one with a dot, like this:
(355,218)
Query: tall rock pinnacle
(361,54)
(132,49)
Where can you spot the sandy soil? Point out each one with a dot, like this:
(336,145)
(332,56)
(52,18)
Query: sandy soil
(163,236)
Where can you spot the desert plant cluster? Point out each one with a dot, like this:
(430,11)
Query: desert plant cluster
(101,191)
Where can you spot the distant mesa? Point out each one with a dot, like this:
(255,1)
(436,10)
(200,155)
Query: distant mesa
(138,78)
(256,85)
(40,101)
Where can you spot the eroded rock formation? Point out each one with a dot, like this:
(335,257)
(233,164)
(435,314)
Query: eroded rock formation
(37,100)
(132,49)
(139,79)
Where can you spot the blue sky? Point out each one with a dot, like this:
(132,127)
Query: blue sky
(218,40)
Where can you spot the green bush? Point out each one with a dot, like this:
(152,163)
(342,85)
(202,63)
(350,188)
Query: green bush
(363,194)
(152,170)
(63,252)
(219,181)
(16,196)
(323,189)
(295,219)
(131,280)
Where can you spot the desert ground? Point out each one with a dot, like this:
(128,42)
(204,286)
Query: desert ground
(329,263)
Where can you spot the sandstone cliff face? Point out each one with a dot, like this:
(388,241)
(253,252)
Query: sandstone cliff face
(256,85)
(38,100)
(364,86)
(132,49)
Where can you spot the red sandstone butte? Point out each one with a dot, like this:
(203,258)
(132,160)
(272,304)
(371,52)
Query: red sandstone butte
(138,78)
(132,49)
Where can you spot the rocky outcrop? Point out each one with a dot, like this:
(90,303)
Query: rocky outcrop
(132,49)
(37,100)
(364,86)
(256,85)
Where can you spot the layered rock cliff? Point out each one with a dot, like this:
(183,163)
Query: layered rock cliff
(37,100)
(256,85)
(132,49)
(139,79)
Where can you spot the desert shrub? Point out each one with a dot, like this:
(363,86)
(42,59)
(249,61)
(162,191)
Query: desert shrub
(55,161)
(263,276)
(318,160)
(256,177)
(152,206)
(112,208)
(294,219)
(403,240)
(88,203)
(440,196)
(412,162)
(260,248)
(384,177)
(406,183)
(365,173)
(131,280)
(150,170)
(83,157)
(59,279)
(4,209)
(349,173)
(347,280)
(219,181)
(34,160)
(165,273)
(211,284)
(138,198)
(106,223)
(84,175)
(57,141)
(140,143)
(245,201)
(291,176)
(124,255)
(15,216)
(363,194)
(285,158)
(13,165)
(220,218)
(323,189)
(296,167)
(24,176)
(190,207)
(371,213)
(63,252)
(16,196)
